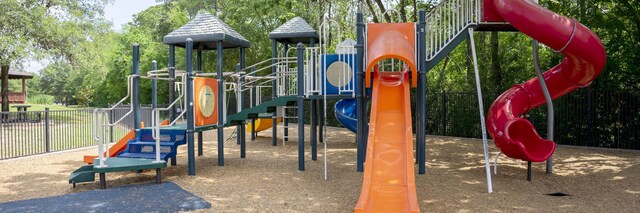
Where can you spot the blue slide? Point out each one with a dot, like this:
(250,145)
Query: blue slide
(345,110)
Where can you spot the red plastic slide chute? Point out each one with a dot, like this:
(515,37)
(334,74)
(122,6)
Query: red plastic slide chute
(584,59)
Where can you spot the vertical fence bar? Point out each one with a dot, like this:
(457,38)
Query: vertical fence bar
(47,130)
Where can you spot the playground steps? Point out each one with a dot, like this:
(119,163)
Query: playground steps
(145,145)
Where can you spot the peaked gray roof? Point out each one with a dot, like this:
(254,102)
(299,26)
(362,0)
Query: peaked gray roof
(206,29)
(294,31)
(15,74)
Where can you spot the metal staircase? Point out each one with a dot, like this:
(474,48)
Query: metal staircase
(447,26)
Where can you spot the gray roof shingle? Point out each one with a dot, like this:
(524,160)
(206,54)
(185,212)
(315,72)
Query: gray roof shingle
(15,74)
(294,31)
(206,29)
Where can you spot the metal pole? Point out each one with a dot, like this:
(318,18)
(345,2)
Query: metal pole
(422,90)
(172,89)
(172,75)
(274,116)
(190,111)
(221,106)
(359,93)
(154,87)
(240,127)
(47,130)
(300,49)
(136,89)
(241,133)
(312,107)
(547,97)
(253,104)
(284,109)
(199,67)
(481,110)
(321,121)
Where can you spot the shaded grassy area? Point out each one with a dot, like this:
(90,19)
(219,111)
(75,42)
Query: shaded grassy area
(41,107)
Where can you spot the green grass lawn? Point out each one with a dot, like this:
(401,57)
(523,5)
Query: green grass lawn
(41,107)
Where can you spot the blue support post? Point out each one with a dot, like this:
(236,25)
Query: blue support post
(253,104)
(300,97)
(199,67)
(136,89)
(172,88)
(359,94)
(274,117)
(421,93)
(313,108)
(172,75)
(284,119)
(242,132)
(221,106)
(321,121)
(190,111)
(238,108)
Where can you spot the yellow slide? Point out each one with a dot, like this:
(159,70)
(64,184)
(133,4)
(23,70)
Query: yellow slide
(389,182)
(263,124)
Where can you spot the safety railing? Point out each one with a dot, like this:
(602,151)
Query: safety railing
(312,76)
(101,124)
(341,76)
(279,78)
(447,20)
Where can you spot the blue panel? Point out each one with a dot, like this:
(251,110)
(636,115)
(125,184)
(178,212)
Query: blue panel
(350,59)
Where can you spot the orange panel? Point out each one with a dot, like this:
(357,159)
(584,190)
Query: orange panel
(205,101)
(389,181)
(391,40)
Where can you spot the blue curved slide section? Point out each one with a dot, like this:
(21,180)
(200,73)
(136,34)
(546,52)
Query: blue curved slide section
(345,111)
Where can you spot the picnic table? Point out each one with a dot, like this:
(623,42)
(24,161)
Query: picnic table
(22,112)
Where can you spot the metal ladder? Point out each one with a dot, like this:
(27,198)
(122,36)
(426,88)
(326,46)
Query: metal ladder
(285,116)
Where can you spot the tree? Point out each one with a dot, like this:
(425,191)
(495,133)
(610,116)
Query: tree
(39,29)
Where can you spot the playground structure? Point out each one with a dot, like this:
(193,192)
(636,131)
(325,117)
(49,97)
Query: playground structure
(389,58)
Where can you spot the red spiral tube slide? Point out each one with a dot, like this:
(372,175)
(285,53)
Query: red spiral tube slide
(585,58)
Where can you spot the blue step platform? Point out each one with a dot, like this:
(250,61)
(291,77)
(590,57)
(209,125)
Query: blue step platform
(145,146)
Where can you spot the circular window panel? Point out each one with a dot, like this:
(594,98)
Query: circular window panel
(206,99)
(339,74)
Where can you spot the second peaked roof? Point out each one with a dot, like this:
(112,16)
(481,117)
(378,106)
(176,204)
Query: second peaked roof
(294,31)
(205,30)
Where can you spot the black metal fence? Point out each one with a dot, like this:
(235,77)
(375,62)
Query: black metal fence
(37,132)
(594,118)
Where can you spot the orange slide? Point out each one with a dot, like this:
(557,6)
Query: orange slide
(389,183)
(121,145)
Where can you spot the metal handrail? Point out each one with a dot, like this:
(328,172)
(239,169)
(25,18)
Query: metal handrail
(448,20)
(270,60)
